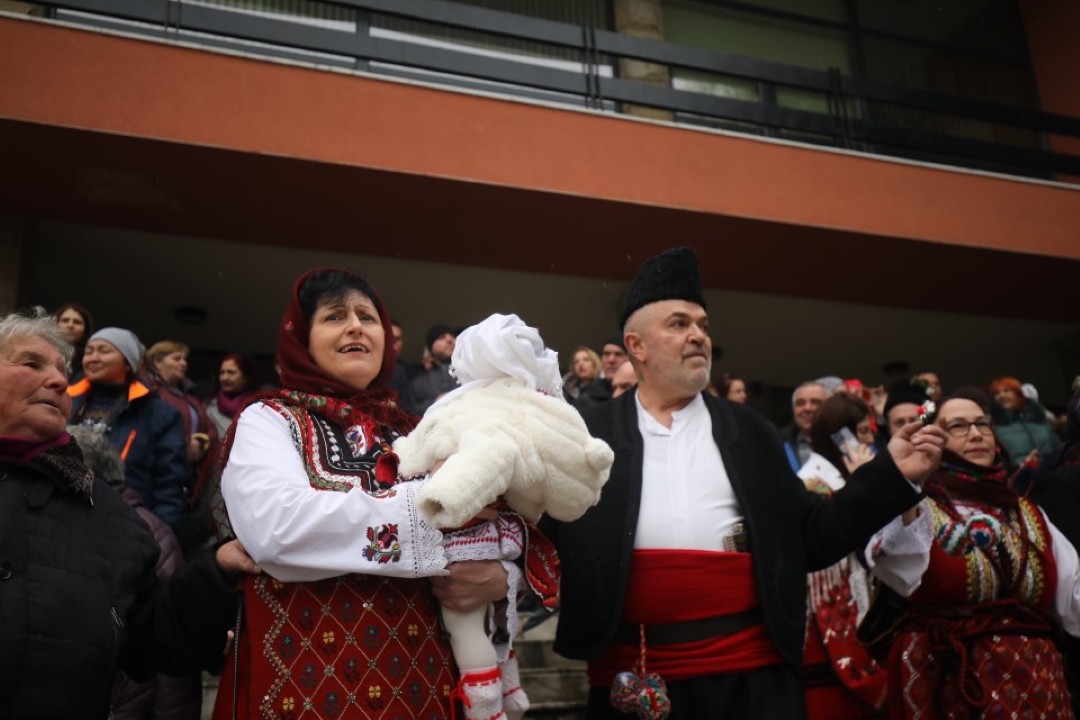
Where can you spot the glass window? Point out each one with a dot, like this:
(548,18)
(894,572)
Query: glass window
(588,13)
(760,37)
(311,11)
(755,36)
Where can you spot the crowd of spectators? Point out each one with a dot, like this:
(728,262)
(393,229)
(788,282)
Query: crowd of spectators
(161,430)
(164,424)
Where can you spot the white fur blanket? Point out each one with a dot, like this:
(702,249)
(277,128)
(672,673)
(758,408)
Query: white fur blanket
(505,439)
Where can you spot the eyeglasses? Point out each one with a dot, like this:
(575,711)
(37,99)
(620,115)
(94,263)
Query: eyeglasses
(960,428)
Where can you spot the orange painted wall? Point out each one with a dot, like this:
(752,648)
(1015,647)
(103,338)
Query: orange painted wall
(83,79)
(1051,27)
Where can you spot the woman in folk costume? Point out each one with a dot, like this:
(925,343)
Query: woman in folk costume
(987,582)
(507,433)
(842,680)
(345,622)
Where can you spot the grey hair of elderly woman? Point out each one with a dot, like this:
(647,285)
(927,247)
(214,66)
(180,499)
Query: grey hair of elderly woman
(100,455)
(35,322)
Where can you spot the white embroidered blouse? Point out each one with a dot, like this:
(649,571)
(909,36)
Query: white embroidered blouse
(297,532)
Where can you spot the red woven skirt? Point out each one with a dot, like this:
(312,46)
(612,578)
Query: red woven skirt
(355,646)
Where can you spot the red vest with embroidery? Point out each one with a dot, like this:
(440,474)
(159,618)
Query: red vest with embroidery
(977,640)
(351,646)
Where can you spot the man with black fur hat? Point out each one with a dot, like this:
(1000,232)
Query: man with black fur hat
(902,404)
(429,385)
(694,562)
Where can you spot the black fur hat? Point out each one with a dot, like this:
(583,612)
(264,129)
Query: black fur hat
(905,391)
(671,275)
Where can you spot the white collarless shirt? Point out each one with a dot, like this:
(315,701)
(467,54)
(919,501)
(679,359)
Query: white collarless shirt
(687,501)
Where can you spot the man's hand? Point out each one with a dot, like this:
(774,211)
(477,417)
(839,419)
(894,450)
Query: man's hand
(233,560)
(916,450)
(471,585)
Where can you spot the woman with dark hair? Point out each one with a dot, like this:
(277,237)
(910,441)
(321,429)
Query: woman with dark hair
(346,623)
(77,325)
(842,680)
(986,583)
(833,460)
(1021,424)
(236,386)
(731,388)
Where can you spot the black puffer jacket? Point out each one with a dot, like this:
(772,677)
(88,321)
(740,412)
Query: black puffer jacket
(79,597)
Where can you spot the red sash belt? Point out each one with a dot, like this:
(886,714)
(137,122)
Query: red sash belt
(689,586)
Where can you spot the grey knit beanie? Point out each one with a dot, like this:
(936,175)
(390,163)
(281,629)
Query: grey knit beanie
(123,340)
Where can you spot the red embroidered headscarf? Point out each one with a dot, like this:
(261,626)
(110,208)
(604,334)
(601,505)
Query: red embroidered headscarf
(299,371)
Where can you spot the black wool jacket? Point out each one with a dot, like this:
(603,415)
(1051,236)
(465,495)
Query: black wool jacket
(791,530)
(79,596)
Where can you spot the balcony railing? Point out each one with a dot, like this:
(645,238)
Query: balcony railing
(592,82)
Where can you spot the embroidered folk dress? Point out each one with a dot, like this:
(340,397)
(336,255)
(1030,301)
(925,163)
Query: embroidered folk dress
(986,587)
(343,624)
(841,679)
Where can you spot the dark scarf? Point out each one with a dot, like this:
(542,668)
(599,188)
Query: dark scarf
(229,404)
(19,451)
(957,478)
(60,456)
(152,379)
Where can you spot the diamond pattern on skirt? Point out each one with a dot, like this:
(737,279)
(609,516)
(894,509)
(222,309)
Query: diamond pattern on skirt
(1017,677)
(355,646)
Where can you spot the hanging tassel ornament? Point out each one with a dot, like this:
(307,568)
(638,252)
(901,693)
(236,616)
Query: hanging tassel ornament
(641,692)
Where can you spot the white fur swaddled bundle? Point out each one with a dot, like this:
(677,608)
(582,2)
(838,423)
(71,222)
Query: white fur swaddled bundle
(505,439)
(506,432)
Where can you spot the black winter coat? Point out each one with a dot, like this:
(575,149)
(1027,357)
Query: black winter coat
(79,597)
(163,697)
(791,530)
(425,388)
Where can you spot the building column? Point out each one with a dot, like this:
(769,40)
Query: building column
(643,19)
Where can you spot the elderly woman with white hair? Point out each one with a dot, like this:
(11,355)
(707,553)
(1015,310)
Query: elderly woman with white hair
(79,596)
(148,433)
